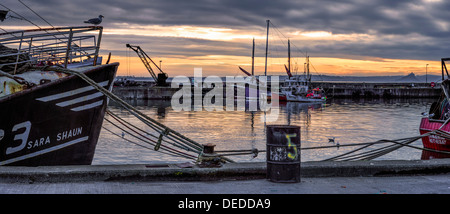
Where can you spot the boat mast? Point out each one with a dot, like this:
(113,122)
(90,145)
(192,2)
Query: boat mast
(307,70)
(267,46)
(289,56)
(253,58)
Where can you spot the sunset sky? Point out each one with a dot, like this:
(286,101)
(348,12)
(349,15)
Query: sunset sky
(353,37)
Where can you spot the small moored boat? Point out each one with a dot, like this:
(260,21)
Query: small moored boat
(438,116)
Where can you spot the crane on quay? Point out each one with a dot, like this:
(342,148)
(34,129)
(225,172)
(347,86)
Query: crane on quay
(161,78)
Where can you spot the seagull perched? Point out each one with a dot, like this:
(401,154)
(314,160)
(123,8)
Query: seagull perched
(95,21)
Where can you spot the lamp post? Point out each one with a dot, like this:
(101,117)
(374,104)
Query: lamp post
(426,73)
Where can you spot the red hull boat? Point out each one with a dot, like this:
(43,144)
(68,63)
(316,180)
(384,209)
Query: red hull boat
(433,141)
(438,118)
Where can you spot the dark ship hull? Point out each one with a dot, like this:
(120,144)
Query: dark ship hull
(57,123)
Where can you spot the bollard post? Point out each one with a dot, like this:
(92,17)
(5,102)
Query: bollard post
(209,161)
(208,148)
(283,153)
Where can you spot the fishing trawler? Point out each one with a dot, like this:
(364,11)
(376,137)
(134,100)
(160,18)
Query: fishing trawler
(49,117)
(298,88)
(438,116)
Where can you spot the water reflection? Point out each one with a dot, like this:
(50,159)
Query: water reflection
(345,120)
(428,155)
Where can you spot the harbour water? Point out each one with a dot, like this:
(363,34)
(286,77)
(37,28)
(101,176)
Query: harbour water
(349,121)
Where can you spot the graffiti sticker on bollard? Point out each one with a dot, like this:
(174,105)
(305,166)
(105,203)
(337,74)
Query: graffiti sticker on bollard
(283,153)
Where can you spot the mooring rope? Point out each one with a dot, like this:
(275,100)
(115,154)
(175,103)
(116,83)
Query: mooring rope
(154,124)
(164,131)
(396,144)
(147,139)
(145,147)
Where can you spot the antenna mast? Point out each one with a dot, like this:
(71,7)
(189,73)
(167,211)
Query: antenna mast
(289,55)
(253,58)
(267,46)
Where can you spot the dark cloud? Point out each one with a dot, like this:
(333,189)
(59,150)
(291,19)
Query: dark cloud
(415,29)
(176,46)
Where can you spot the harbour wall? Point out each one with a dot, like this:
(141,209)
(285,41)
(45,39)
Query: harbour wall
(378,90)
(332,89)
(144,92)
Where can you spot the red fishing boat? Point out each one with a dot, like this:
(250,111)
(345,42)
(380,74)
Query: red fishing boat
(438,116)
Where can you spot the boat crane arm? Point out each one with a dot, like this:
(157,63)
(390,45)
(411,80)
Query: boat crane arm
(145,60)
(288,71)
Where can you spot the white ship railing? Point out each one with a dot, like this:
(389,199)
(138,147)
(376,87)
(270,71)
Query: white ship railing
(60,45)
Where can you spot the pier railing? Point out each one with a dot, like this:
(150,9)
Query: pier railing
(60,45)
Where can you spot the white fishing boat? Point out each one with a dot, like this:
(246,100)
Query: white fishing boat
(298,88)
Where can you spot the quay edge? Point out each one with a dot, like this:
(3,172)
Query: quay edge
(229,171)
(332,89)
(378,90)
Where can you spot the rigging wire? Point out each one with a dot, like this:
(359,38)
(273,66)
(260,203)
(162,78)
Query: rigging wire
(276,28)
(48,23)
(20,16)
(304,53)
(36,13)
(23,18)
(274,53)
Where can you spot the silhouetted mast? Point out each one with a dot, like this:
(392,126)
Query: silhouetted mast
(267,46)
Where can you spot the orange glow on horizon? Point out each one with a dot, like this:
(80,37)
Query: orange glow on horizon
(223,65)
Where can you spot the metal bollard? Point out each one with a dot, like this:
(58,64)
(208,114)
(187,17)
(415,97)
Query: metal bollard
(209,161)
(208,148)
(283,153)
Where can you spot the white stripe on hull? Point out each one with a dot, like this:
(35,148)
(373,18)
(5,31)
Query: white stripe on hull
(77,100)
(70,93)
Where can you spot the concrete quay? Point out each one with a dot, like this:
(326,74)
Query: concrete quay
(234,171)
(144,92)
(362,177)
(332,89)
